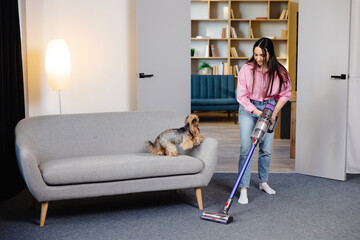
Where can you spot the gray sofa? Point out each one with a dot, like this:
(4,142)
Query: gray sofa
(98,154)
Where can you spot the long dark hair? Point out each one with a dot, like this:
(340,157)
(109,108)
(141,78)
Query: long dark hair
(273,64)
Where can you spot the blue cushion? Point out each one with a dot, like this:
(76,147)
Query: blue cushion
(213,93)
(214,108)
(212,86)
(214,101)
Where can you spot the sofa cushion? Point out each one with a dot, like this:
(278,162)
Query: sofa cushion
(116,167)
(212,86)
(214,101)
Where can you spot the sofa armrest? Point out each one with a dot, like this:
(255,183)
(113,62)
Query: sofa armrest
(207,152)
(30,172)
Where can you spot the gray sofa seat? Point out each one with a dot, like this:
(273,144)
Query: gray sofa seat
(99,169)
(101,154)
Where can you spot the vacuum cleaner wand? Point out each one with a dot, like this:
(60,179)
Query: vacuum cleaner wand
(263,125)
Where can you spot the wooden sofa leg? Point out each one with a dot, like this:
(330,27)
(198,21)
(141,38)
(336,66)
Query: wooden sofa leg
(199,198)
(44,208)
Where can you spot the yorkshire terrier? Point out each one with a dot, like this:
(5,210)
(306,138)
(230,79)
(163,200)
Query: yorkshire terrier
(186,137)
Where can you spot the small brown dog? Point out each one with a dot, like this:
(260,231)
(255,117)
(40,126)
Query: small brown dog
(187,137)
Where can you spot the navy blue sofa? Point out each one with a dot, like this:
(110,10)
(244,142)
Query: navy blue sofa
(214,93)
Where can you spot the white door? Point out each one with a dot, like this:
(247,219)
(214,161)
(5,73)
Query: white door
(163,40)
(323,52)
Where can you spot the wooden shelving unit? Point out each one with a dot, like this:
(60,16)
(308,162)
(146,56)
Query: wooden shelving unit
(210,17)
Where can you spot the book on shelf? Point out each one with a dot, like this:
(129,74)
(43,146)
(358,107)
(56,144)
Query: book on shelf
(251,33)
(261,18)
(221,68)
(224,68)
(215,70)
(282,14)
(234,52)
(232,14)
(233,70)
(213,54)
(237,69)
(233,32)
(207,51)
(227,70)
(223,33)
(225,13)
(218,69)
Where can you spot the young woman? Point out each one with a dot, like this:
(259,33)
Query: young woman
(261,80)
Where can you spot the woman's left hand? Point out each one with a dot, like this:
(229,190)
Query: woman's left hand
(273,116)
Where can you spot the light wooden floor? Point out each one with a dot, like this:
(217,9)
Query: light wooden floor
(219,126)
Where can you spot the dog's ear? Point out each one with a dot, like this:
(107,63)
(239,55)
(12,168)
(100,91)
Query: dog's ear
(187,119)
(192,119)
(195,131)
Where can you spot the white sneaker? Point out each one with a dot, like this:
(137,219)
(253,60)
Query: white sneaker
(243,199)
(265,187)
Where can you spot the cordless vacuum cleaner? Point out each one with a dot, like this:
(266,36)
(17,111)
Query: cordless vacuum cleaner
(263,125)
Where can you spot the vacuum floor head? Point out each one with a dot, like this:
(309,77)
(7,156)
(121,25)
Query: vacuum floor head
(217,217)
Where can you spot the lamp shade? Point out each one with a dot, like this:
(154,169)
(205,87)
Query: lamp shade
(58,64)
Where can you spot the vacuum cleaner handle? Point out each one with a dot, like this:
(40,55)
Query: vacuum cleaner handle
(263,123)
(273,125)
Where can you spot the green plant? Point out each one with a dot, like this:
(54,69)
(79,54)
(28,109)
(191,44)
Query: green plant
(204,65)
(192,52)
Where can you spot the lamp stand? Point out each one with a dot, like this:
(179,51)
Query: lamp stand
(60,100)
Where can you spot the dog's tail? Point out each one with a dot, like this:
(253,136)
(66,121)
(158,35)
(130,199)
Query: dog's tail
(150,147)
(155,148)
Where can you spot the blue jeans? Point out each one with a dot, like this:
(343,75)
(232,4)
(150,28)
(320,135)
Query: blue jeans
(247,123)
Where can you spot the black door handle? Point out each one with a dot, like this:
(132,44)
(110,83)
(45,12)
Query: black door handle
(342,76)
(143,75)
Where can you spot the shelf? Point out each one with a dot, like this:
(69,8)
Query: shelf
(259,20)
(210,58)
(255,39)
(240,58)
(248,0)
(236,19)
(210,18)
(206,39)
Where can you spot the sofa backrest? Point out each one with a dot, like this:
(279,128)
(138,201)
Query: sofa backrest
(212,86)
(78,135)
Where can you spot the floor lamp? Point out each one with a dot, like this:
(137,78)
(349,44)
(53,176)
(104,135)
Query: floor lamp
(58,65)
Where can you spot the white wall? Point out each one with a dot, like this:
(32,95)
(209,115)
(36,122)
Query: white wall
(101,36)
(353,137)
